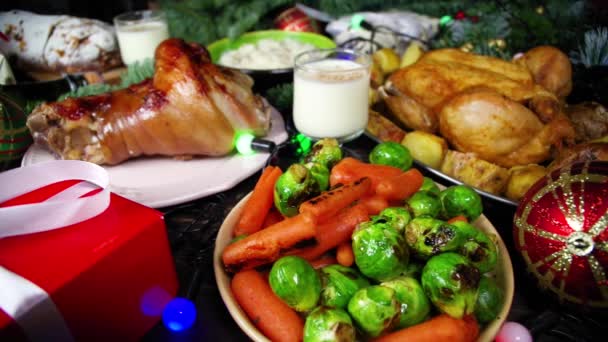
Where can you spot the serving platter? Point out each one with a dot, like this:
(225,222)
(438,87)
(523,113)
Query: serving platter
(453,181)
(163,181)
(503,273)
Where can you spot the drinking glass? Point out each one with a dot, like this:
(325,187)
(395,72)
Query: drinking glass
(331,89)
(139,33)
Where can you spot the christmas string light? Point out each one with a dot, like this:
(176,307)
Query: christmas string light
(247,144)
(179,314)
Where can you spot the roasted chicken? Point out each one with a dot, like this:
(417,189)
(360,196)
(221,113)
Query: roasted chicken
(498,129)
(190,107)
(482,105)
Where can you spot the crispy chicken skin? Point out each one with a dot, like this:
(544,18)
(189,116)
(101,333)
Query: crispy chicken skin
(550,68)
(190,107)
(500,130)
(483,105)
(417,93)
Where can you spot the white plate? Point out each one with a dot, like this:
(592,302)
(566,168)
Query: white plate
(162,181)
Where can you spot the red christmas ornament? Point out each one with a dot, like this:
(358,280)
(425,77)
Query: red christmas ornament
(294,19)
(560,228)
(460,15)
(474,19)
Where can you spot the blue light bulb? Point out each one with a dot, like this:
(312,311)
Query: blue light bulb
(179,314)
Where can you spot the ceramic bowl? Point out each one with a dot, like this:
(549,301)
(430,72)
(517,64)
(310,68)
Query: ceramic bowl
(503,272)
(267,78)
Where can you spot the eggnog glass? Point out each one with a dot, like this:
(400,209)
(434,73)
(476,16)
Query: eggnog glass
(331,88)
(139,33)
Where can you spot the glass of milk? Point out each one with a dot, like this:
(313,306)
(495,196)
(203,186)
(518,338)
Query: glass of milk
(331,88)
(139,33)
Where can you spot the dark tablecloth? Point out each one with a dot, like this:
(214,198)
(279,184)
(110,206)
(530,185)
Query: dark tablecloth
(192,228)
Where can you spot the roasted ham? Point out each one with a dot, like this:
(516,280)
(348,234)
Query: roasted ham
(190,107)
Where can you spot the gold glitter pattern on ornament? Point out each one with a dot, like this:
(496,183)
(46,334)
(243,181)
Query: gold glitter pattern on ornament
(563,260)
(599,226)
(532,230)
(572,207)
(573,213)
(598,275)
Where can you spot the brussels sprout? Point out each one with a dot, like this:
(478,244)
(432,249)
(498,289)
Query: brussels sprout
(375,309)
(293,187)
(477,247)
(326,152)
(423,203)
(326,324)
(296,282)
(489,300)
(392,154)
(320,176)
(413,269)
(428,236)
(380,251)
(415,306)
(430,186)
(451,283)
(460,200)
(396,217)
(339,283)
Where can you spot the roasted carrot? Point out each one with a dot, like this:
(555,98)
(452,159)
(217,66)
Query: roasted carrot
(329,203)
(273,216)
(344,254)
(322,261)
(401,186)
(333,232)
(259,203)
(374,204)
(458,218)
(442,328)
(265,245)
(351,169)
(275,319)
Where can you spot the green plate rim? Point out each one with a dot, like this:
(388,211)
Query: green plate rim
(217,48)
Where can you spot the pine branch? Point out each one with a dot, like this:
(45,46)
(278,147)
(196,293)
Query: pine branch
(594,50)
(135,73)
(205,21)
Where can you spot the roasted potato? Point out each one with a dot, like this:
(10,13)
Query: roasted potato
(387,59)
(522,178)
(427,148)
(383,128)
(376,75)
(469,169)
(412,54)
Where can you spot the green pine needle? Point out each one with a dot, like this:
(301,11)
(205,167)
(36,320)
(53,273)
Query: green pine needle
(205,21)
(594,50)
(135,73)
(281,96)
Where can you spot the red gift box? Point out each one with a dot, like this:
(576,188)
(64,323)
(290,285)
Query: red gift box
(109,276)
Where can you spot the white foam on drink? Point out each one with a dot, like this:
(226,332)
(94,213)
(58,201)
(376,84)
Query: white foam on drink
(332,70)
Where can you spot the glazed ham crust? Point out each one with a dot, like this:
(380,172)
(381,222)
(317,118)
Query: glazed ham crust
(190,107)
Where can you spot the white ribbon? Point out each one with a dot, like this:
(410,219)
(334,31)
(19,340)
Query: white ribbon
(28,304)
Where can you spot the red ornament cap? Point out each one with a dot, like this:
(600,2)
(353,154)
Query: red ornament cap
(561,230)
(460,15)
